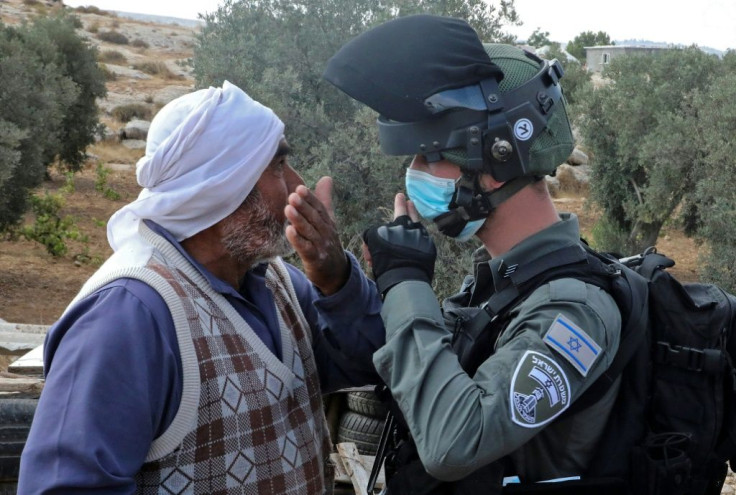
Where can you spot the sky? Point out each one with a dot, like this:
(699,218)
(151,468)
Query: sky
(707,23)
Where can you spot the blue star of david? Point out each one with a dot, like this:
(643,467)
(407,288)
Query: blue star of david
(574,344)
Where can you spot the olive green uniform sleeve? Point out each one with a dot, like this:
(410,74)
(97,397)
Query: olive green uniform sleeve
(461,423)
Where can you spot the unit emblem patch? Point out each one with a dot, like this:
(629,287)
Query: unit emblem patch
(572,343)
(540,390)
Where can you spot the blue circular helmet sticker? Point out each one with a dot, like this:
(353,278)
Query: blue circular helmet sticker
(540,390)
(523,129)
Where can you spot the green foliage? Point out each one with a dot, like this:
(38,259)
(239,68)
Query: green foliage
(50,80)
(576,47)
(539,38)
(49,228)
(10,140)
(69,186)
(33,99)
(487,18)
(277,50)
(715,201)
(126,113)
(642,130)
(77,61)
(101,184)
(115,37)
(576,78)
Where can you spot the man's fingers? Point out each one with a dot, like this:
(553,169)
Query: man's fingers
(400,208)
(367,255)
(312,207)
(323,192)
(303,226)
(412,210)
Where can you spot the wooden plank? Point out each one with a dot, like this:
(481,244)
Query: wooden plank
(354,467)
(12,383)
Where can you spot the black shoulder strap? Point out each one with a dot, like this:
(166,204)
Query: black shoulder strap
(628,289)
(474,344)
(631,293)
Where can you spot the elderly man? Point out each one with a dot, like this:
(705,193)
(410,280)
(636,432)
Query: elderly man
(195,359)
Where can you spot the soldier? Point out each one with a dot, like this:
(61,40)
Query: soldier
(485,124)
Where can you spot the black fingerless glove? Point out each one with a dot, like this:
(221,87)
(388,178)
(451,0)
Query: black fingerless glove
(400,250)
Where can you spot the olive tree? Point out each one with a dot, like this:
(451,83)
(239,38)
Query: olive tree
(641,129)
(32,102)
(76,60)
(715,201)
(277,50)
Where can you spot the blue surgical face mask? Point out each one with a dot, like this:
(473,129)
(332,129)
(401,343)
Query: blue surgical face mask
(432,196)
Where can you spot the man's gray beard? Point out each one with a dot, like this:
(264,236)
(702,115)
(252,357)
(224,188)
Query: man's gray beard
(252,234)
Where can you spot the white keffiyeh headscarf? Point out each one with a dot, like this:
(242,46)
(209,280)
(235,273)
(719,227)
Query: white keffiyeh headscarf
(205,153)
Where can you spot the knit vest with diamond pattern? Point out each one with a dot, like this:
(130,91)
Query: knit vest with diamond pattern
(247,422)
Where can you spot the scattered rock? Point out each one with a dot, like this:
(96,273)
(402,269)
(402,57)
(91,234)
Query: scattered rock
(135,129)
(107,135)
(577,158)
(569,179)
(165,95)
(134,144)
(127,72)
(121,167)
(114,100)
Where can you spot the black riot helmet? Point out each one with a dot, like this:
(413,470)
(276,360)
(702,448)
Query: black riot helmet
(443,94)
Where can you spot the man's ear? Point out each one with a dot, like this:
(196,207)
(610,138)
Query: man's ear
(488,183)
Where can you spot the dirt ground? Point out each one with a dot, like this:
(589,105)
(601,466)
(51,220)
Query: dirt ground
(35,287)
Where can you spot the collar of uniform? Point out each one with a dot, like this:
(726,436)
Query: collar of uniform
(560,234)
(217,284)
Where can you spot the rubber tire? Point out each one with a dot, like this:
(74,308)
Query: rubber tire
(16,416)
(363,431)
(367,404)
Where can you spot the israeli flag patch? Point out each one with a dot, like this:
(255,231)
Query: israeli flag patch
(572,343)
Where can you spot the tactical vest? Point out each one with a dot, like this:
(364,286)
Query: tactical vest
(475,332)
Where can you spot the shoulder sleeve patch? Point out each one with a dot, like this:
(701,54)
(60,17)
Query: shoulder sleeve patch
(572,343)
(540,390)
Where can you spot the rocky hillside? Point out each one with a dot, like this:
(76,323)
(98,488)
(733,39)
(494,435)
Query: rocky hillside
(145,63)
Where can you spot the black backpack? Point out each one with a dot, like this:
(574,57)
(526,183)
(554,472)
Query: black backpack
(691,407)
(673,427)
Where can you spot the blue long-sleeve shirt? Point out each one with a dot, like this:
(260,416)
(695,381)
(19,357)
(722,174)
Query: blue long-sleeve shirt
(114,373)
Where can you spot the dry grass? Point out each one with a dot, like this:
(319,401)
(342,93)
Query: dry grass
(115,153)
(126,113)
(155,68)
(112,57)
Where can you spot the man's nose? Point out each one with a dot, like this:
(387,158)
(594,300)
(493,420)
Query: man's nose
(419,163)
(293,179)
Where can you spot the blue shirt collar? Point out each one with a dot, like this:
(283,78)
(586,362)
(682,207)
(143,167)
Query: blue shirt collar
(217,284)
